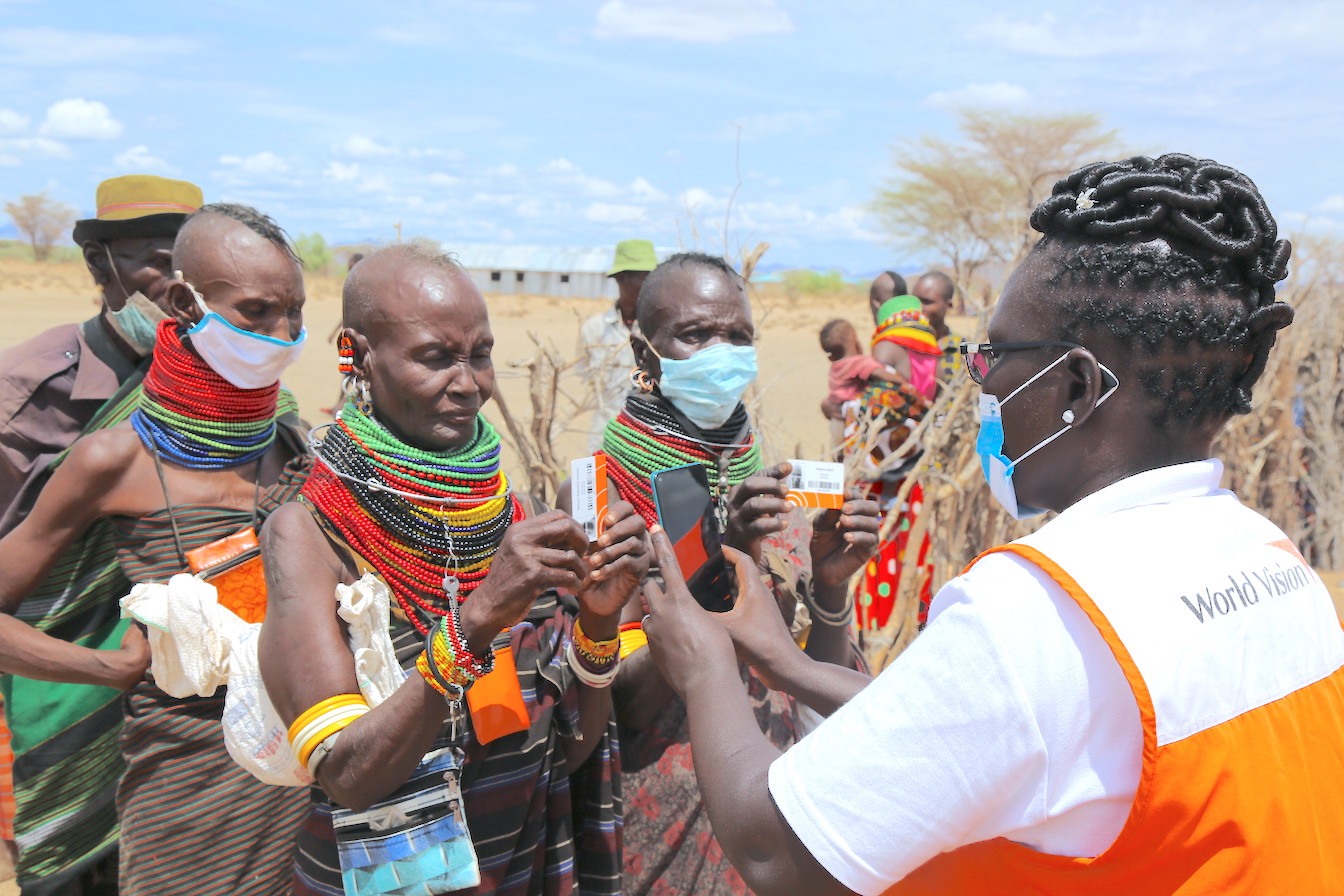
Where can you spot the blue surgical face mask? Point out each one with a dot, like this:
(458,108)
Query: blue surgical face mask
(708,385)
(999,469)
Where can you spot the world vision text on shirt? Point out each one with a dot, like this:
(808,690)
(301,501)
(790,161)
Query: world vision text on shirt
(1245,588)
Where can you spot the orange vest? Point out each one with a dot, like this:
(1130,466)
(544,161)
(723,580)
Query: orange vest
(1253,804)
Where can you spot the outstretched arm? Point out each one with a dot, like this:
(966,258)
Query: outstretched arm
(78,493)
(732,756)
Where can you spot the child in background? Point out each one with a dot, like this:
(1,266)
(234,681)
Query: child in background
(851,369)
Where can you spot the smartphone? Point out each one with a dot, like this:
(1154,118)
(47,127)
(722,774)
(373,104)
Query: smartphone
(686,512)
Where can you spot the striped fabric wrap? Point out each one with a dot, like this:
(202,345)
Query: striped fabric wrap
(65,736)
(192,820)
(538,830)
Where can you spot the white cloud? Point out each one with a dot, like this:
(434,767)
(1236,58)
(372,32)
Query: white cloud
(139,159)
(612,213)
(439,179)
(12,122)
(696,197)
(643,191)
(995,95)
(778,124)
(342,172)
(263,163)
(506,170)
(698,21)
(57,47)
(35,147)
(559,166)
(1077,37)
(79,119)
(8,161)
(361,147)
(1331,205)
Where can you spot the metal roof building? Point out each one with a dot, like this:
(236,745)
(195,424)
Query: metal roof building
(541,270)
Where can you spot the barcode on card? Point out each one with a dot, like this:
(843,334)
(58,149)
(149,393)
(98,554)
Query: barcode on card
(588,493)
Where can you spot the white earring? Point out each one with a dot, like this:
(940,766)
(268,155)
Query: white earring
(1067,416)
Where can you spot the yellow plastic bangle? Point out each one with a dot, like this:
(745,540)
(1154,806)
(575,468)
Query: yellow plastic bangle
(305,736)
(322,734)
(320,707)
(632,640)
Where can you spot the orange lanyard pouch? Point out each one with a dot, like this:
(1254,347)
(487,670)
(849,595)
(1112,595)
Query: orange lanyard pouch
(233,565)
(496,700)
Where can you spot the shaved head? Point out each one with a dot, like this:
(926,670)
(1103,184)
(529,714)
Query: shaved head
(369,288)
(940,283)
(223,228)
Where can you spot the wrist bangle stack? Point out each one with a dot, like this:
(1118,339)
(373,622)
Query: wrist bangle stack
(321,721)
(594,662)
(632,638)
(447,663)
(837,619)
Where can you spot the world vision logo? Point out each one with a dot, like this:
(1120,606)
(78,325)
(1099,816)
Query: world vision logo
(1246,588)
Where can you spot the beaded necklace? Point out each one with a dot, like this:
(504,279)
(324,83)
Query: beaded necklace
(195,417)
(646,436)
(428,522)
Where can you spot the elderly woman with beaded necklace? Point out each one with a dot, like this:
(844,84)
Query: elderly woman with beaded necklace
(1145,696)
(493,598)
(204,455)
(694,346)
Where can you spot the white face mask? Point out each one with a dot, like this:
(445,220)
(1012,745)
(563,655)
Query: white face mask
(246,359)
(997,468)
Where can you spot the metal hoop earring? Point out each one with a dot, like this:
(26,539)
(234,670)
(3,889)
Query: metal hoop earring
(356,390)
(640,380)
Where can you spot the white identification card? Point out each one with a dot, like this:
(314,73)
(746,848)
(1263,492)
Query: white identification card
(588,493)
(816,483)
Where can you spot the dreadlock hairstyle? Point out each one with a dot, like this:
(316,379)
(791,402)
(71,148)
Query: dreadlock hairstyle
(1171,253)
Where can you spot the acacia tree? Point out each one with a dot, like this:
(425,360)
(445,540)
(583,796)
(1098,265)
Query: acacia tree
(41,220)
(968,201)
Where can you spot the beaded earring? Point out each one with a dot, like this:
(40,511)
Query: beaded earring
(640,379)
(345,349)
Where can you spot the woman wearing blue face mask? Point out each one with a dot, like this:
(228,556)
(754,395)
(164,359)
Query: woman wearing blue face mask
(1145,696)
(211,447)
(694,346)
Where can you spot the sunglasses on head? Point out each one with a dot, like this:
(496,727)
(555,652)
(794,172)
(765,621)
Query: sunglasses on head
(981,356)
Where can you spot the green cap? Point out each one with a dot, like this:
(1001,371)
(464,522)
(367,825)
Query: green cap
(633,255)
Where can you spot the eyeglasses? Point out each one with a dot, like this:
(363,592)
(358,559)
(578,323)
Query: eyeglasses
(981,356)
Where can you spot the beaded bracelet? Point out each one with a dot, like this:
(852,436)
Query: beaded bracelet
(584,673)
(447,663)
(598,653)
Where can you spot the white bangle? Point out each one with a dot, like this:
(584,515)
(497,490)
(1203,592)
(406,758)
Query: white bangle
(587,676)
(319,753)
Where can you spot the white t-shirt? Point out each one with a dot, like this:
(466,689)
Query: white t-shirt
(1008,717)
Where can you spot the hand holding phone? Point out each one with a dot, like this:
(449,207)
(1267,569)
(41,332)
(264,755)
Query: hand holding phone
(686,512)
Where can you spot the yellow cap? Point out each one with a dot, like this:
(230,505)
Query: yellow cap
(633,255)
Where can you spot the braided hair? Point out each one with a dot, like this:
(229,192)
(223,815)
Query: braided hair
(1194,253)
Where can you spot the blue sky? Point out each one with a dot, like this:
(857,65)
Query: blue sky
(582,122)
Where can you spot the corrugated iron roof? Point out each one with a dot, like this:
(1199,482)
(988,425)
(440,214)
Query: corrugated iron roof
(568,259)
